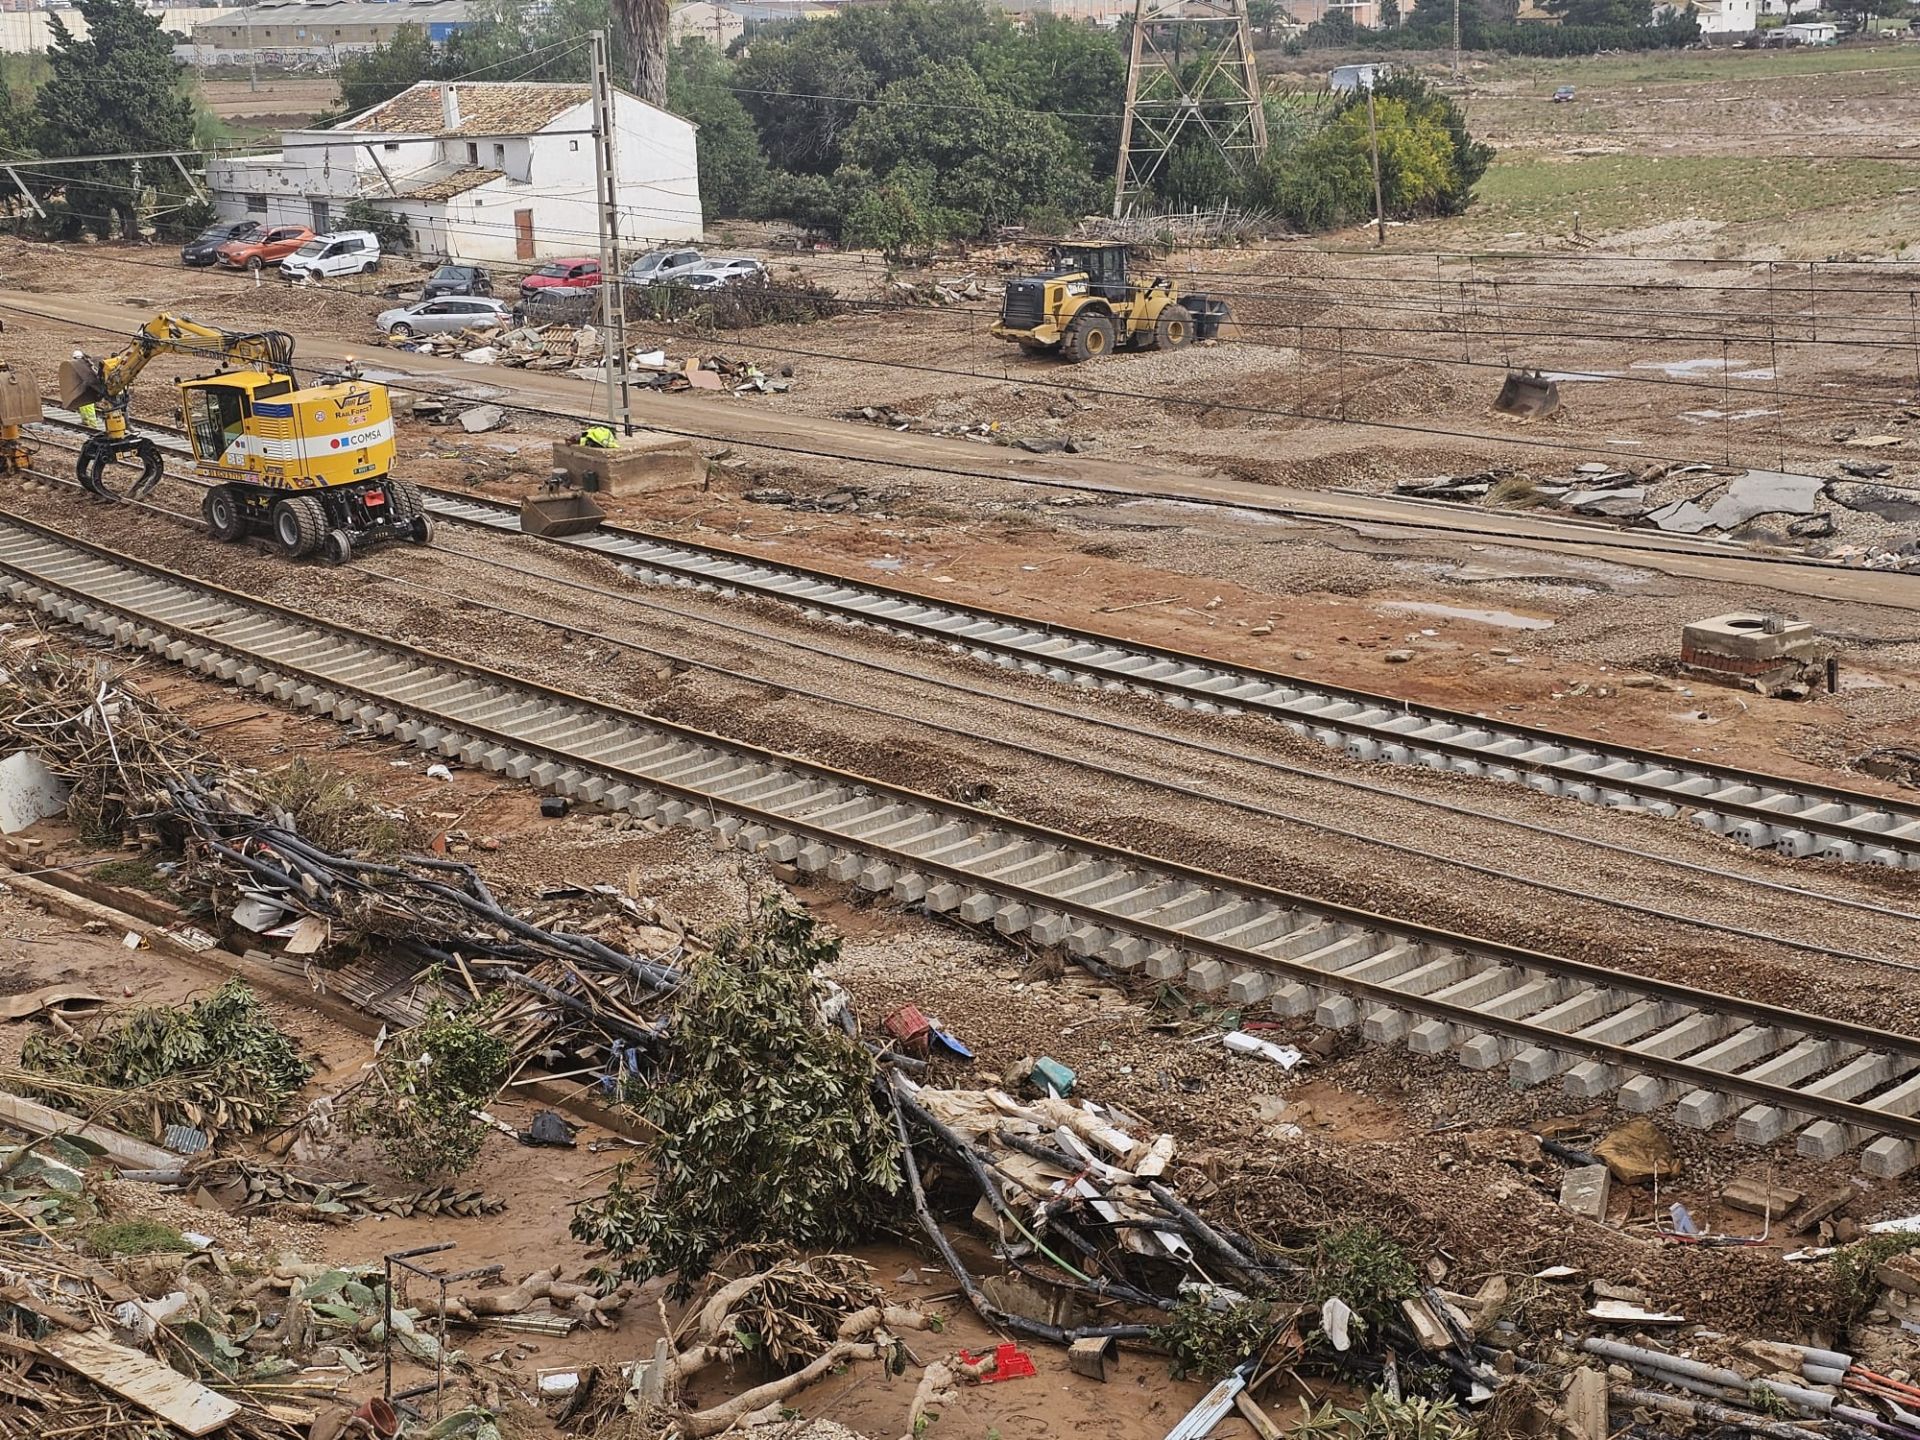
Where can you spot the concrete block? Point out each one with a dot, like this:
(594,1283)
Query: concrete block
(1644,1094)
(1486,1052)
(1761,1125)
(1430,1037)
(1249,987)
(1012,919)
(909,888)
(845,867)
(1385,1025)
(1887,1158)
(1337,1012)
(1293,1000)
(875,876)
(1702,1109)
(1164,963)
(1584,1190)
(1049,927)
(811,858)
(1209,977)
(978,908)
(1590,1079)
(944,897)
(1535,1065)
(1125,952)
(781,849)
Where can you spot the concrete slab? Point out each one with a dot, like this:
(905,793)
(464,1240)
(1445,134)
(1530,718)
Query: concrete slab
(1765,492)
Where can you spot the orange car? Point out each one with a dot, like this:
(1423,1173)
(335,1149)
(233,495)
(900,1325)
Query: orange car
(260,251)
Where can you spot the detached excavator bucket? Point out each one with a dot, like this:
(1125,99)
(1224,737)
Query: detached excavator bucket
(1527,395)
(1212,317)
(567,512)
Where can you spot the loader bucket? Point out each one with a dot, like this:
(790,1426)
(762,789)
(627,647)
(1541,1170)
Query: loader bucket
(568,513)
(1527,395)
(1212,317)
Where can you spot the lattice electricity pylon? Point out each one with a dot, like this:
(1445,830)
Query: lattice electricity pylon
(1191,66)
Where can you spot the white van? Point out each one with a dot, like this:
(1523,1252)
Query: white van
(345,252)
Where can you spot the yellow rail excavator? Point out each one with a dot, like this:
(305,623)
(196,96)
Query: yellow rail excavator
(310,466)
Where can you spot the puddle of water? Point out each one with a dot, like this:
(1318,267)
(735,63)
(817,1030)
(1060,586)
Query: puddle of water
(1681,369)
(887,562)
(1596,376)
(1503,619)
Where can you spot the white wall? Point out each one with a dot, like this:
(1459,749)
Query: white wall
(26,31)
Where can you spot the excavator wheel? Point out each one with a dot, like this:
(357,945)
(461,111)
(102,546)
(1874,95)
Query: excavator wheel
(337,547)
(226,521)
(1174,329)
(410,517)
(1089,336)
(300,525)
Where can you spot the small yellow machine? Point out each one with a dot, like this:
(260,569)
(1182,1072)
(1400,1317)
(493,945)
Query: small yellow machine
(19,405)
(312,467)
(1084,305)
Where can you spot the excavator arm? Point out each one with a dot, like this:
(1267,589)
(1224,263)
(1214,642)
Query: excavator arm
(108,383)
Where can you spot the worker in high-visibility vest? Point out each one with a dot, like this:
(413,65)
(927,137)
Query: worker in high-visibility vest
(598,437)
(89,413)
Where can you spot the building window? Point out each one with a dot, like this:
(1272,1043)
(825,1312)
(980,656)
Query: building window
(256,204)
(391,145)
(573,144)
(473,153)
(322,216)
(499,157)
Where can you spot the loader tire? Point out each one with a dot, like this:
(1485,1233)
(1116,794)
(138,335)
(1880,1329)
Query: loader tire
(300,525)
(226,520)
(1089,337)
(1174,329)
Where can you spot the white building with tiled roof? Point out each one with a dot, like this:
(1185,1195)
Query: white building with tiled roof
(479,171)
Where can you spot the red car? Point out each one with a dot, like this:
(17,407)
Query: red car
(561,275)
(256,252)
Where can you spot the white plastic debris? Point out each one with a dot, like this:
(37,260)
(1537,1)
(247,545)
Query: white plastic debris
(439,772)
(29,791)
(1334,1315)
(1285,1056)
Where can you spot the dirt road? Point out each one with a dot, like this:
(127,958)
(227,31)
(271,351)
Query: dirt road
(734,423)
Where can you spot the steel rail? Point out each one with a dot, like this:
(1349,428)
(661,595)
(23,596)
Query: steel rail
(1585,769)
(98,582)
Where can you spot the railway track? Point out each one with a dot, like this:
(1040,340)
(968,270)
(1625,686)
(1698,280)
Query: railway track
(1792,817)
(1829,1084)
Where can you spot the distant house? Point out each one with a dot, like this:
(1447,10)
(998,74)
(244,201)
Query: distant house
(1530,12)
(705,20)
(1345,79)
(478,170)
(1811,33)
(1720,17)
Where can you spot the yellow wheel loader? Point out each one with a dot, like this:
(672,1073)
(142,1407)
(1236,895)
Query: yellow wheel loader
(1084,305)
(310,466)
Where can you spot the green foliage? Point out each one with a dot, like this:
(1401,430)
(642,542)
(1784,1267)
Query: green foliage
(765,1122)
(396,238)
(1852,1267)
(136,1237)
(1207,1342)
(1429,164)
(326,807)
(1384,1418)
(235,1069)
(430,1081)
(119,90)
(1590,26)
(134,874)
(1607,14)
(1362,1266)
(731,165)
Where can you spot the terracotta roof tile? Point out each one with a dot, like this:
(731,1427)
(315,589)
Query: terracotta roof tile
(505,108)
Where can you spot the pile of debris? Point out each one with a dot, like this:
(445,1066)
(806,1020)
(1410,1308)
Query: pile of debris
(893,419)
(908,293)
(1728,500)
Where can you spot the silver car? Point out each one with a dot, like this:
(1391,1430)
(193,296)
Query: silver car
(740,267)
(443,316)
(657,267)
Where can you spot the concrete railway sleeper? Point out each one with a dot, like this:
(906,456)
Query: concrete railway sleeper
(1792,817)
(1829,1084)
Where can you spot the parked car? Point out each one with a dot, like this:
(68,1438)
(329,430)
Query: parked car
(1563,96)
(345,252)
(562,275)
(458,280)
(256,252)
(661,266)
(204,248)
(442,316)
(740,267)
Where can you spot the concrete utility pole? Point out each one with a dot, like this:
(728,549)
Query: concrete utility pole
(1456,39)
(1373,144)
(613,308)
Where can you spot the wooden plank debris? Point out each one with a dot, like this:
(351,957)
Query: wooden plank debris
(125,1151)
(160,1390)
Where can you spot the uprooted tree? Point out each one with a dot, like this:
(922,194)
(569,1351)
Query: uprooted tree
(764,1119)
